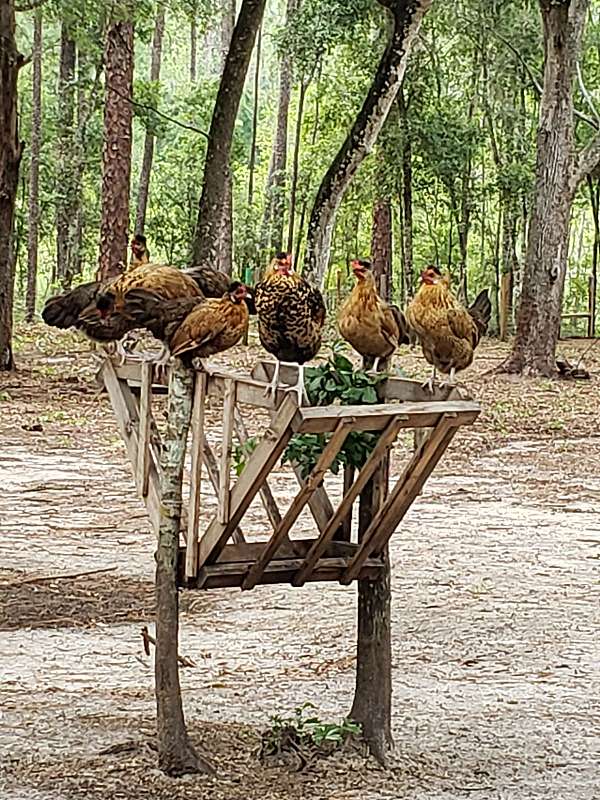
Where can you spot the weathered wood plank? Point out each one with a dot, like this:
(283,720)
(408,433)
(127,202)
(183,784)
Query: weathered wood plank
(268,501)
(259,465)
(315,479)
(408,486)
(193,521)
(145,417)
(126,414)
(375,417)
(229,398)
(344,533)
(386,439)
(212,467)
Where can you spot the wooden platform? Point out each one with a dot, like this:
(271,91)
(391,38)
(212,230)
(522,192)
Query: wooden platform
(218,555)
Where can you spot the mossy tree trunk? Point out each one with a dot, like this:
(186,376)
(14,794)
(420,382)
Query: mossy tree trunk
(176,755)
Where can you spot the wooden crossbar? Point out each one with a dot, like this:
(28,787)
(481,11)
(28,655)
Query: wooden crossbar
(376,417)
(403,494)
(212,467)
(226,448)
(386,439)
(330,451)
(260,463)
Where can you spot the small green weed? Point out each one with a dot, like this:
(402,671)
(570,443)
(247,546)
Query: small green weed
(241,453)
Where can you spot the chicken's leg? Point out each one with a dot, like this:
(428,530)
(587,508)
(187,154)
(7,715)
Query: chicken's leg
(298,387)
(451,380)
(375,368)
(120,352)
(430,381)
(271,390)
(160,362)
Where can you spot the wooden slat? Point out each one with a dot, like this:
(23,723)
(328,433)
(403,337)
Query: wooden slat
(268,501)
(212,467)
(319,503)
(226,448)
(145,412)
(197,428)
(227,575)
(386,439)
(344,534)
(402,496)
(375,417)
(260,463)
(330,451)
(124,407)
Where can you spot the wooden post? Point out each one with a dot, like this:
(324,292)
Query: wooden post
(197,420)
(143,462)
(176,755)
(372,706)
(226,448)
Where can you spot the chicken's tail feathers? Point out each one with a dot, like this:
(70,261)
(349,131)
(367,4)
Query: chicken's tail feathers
(404,328)
(211,282)
(481,311)
(63,310)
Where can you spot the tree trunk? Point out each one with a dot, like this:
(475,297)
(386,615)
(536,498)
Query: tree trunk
(176,755)
(538,318)
(11,149)
(381,246)
(406,203)
(116,154)
(144,187)
(372,705)
(594,191)
(193,46)
(359,142)
(272,224)
(66,190)
(252,160)
(216,168)
(296,165)
(34,169)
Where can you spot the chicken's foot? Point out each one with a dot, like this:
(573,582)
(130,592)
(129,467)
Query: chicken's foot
(450,380)
(429,383)
(375,368)
(160,361)
(298,387)
(271,390)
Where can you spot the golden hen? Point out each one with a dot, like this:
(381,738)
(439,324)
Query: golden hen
(213,326)
(291,315)
(373,327)
(448,332)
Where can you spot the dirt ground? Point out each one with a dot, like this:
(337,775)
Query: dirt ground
(496,660)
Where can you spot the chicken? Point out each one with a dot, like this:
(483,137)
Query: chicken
(213,326)
(291,315)
(139,251)
(373,327)
(448,332)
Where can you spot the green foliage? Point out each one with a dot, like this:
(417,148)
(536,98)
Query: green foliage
(335,381)
(305,734)
(241,453)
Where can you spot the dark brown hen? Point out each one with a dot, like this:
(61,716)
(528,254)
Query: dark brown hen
(291,316)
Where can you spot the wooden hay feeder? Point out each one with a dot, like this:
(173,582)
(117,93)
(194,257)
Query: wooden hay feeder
(219,555)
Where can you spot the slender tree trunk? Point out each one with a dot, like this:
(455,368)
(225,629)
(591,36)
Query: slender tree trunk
(34,169)
(594,191)
(193,46)
(65,186)
(359,142)
(11,149)
(296,165)
(116,155)
(381,245)
(252,160)
(557,177)
(176,755)
(272,224)
(144,187)
(216,168)
(406,203)
(372,705)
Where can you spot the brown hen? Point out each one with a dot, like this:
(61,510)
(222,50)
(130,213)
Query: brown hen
(448,332)
(373,327)
(213,326)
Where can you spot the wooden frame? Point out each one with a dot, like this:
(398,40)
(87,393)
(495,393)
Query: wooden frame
(218,555)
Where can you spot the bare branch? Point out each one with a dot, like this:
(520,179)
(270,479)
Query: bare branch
(147,107)
(588,162)
(587,96)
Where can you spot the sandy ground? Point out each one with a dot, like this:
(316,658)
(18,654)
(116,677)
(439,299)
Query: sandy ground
(496,661)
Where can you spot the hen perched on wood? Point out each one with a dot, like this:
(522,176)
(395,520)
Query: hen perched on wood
(448,332)
(291,315)
(373,327)
(213,325)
